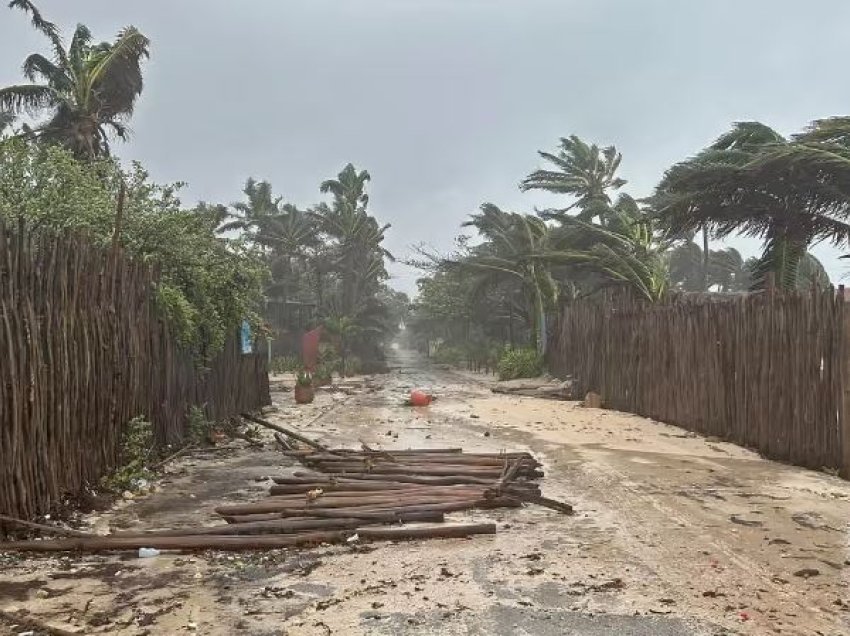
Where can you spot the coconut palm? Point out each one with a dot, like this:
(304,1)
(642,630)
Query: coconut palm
(356,252)
(625,252)
(348,189)
(789,193)
(517,252)
(248,215)
(86,93)
(583,171)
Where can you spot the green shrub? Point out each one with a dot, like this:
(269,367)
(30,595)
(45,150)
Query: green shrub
(198,426)
(520,363)
(353,366)
(137,448)
(284,364)
(323,374)
(447,354)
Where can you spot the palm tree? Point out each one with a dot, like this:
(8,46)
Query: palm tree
(790,193)
(517,251)
(685,265)
(86,92)
(248,215)
(811,273)
(727,271)
(356,254)
(348,189)
(582,171)
(290,236)
(626,252)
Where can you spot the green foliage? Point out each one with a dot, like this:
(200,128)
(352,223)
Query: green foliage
(84,93)
(353,366)
(284,364)
(207,285)
(520,363)
(303,378)
(198,427)
(583,171)
(323,374)
(788,192)
(447,354)
(137,449)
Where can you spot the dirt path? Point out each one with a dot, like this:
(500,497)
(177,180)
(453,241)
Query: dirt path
(675,535)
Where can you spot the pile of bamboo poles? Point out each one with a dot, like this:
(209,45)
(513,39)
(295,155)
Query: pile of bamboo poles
(349,495)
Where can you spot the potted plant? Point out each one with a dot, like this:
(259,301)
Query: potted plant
(304,392)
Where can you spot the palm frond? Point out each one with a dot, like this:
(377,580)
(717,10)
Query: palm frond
(49,29)
(116,75)
(26,98)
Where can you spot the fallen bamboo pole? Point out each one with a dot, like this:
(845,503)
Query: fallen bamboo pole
(302,477)
(195,542)
(552,504)
(287,432)
(426,532)
(311,494)
(380,512)
(250,542)
(334,487)
(272,526)
(371,515)
(64,532)
(459,459)
(402,469)
(270,505)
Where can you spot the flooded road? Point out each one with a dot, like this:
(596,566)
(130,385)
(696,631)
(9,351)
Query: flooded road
(673,535)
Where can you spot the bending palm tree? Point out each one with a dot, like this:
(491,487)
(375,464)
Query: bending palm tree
(516,251)
(788,193)
(585,172)
(624,253)
(86,92)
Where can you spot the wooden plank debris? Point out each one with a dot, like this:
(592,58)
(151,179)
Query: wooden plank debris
(347,492)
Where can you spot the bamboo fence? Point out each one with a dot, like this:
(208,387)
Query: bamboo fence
(768,371)
(82,351)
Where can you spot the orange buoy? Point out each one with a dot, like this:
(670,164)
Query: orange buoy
(419,398)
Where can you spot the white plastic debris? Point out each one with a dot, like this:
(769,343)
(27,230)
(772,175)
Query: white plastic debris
(353,538)
(147,553)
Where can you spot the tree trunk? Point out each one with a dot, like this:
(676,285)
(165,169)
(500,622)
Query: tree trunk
(705,257)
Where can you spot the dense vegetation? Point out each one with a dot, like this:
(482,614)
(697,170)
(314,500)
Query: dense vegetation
(498,291)
(217,263)
(328,258)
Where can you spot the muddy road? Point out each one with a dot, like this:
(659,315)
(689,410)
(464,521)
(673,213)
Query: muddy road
(674,535)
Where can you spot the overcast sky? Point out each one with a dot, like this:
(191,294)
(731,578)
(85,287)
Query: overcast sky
(446,102)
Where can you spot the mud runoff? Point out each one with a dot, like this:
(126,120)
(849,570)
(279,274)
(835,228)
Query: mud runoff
(674,534)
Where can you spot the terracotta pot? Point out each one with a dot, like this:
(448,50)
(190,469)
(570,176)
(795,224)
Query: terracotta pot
(304,393)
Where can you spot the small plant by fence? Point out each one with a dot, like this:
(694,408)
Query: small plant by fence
(767,371)
(83,352)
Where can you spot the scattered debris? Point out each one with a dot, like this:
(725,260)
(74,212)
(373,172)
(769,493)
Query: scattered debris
(807,573)
(346,497)
(745,522)
(548,389)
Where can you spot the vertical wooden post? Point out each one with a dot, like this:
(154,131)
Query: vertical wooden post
(119,217)
(844,413)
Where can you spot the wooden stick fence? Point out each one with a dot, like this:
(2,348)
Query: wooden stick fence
(768,371)
(83,352)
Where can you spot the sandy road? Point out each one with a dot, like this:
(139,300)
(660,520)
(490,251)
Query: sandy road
(675,535)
